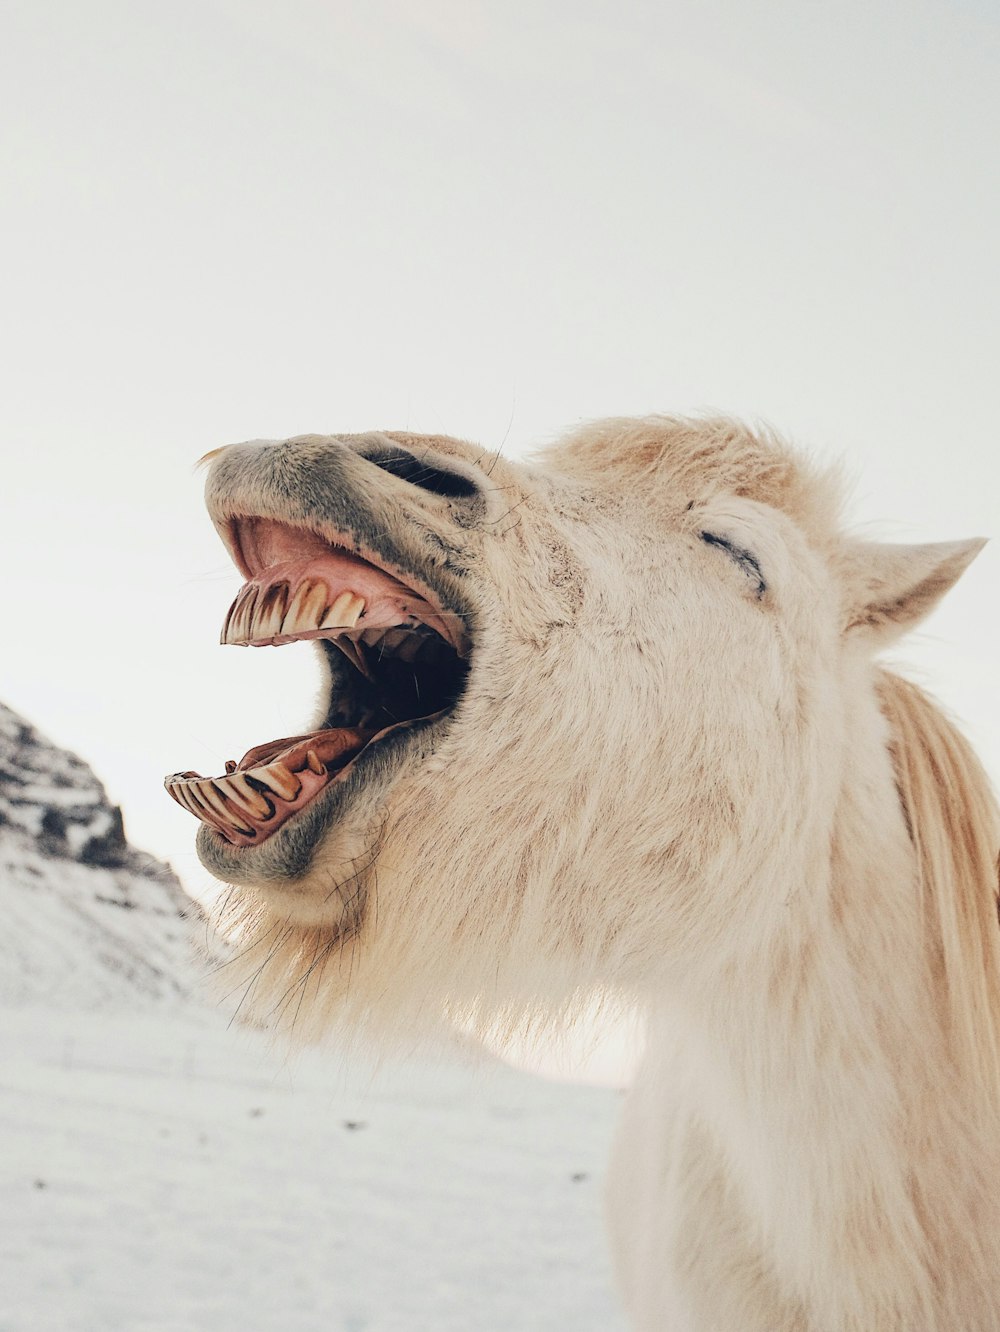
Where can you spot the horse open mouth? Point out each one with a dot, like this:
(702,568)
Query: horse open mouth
(398,663)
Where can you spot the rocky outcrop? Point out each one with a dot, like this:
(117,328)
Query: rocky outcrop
(86,918)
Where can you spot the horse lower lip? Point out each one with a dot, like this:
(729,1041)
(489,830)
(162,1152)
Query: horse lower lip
(251,803)
(257,797)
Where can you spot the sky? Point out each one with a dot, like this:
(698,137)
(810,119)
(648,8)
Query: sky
(232,219)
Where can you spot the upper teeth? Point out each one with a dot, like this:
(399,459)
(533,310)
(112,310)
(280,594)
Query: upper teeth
(259,615)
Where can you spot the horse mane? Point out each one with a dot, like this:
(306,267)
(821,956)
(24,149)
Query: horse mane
(663,457)
(954,824)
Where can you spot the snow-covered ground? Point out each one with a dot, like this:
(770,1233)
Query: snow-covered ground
(161,1172)
(164,1174)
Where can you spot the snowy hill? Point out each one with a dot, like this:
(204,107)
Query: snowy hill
(88,921)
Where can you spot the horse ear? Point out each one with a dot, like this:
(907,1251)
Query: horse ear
(890,588)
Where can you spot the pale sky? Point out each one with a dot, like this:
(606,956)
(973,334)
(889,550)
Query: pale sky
(232,219)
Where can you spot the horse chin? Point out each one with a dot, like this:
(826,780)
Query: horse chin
(318,859)
(309,873)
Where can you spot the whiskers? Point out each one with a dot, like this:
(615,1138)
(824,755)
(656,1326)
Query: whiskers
(276,963)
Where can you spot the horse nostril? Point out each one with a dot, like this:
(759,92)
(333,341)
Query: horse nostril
(410,467)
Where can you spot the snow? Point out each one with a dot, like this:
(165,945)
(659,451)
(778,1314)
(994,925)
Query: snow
(161,1171)
(88,921)
(36,775)
(86,937)
(164,1173)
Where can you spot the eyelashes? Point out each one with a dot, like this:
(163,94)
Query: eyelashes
(743,559)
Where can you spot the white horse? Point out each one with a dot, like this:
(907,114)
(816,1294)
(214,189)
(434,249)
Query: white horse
(612,721)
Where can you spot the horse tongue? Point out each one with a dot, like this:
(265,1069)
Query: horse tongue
(334,748)
(293,751)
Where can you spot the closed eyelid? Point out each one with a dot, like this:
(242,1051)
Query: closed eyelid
(743,558)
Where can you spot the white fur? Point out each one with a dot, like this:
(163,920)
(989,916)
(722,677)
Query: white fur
(667,786)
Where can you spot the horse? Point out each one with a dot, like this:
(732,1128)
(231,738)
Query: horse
(612,720)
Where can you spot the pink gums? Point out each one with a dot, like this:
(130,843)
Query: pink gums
(274,553)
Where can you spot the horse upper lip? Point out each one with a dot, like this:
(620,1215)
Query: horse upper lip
(303,583)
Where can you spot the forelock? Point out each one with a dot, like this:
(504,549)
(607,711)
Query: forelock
(669,459)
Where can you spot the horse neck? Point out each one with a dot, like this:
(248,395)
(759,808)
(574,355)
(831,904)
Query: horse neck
(820,1067)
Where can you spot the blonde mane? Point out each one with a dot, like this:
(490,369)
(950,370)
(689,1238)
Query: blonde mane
(663,456)
(954,824)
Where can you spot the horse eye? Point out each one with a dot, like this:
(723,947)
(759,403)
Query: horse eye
(743,559)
